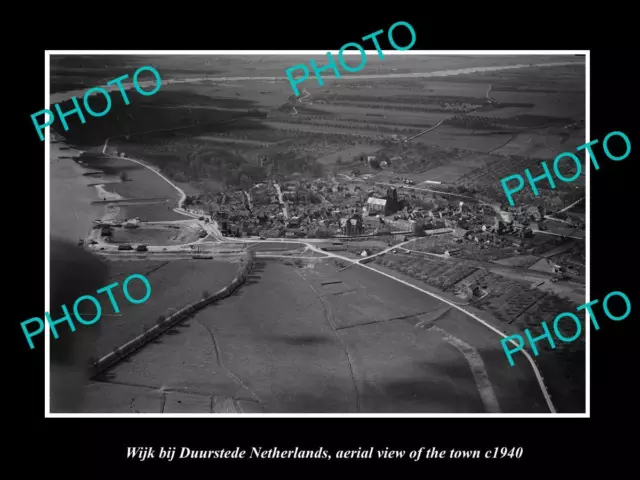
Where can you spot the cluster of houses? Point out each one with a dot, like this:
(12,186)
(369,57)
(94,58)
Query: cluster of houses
(327,208)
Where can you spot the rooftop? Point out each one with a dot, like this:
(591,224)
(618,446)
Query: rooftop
(377,201)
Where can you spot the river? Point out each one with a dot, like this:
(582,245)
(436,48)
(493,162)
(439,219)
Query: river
(71,212)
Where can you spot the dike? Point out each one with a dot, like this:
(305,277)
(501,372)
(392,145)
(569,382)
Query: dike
(119,354)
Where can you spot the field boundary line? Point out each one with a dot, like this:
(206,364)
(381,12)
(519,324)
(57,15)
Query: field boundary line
(344,346)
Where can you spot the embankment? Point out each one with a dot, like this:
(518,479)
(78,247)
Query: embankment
(119,354)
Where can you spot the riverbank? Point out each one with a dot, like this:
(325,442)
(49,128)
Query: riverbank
(76,184)
(111,211)
(71,212)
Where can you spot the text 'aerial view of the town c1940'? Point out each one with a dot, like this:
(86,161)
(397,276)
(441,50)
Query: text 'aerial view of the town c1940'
(348,250)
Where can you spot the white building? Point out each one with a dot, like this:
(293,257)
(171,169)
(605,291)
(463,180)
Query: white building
(507,217)
(376,204)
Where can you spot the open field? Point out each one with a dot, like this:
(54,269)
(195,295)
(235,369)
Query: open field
(350,126)
(174,284)
(304,340)
(292,127)
(454,137)
(455,169)
(543,146)
(347,154)
(426,119)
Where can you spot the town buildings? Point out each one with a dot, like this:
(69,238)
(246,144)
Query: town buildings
(376,205)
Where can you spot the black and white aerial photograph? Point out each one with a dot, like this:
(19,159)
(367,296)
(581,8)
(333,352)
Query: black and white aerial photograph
(346,250)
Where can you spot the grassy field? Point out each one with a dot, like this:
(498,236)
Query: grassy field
(311,339)
(347,154)
(282,344)
(315,340)
(174,284)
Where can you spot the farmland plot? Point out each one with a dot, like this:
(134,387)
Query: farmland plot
(494,301)
(393,120)
(387,127)
(542,146)
(430,118)
(348,153)
(517,304)
(546,309)
(499,168)
(321,129)
(456,169)
(452,137)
